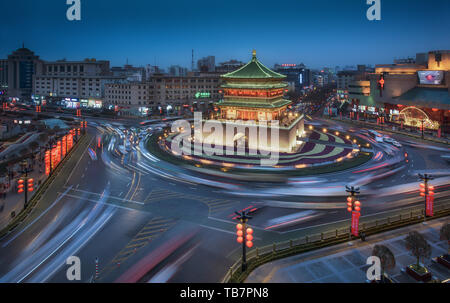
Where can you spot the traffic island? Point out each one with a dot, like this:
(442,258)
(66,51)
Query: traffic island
(418,272)
(324,153)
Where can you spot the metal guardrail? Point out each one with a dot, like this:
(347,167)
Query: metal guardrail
(261,255)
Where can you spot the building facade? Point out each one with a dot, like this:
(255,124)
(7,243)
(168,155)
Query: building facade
(130,72)
(206,64)
(228,66)
(22,65)
(414,94)
(297,75)
(3,78)
(76,82)
(166,93)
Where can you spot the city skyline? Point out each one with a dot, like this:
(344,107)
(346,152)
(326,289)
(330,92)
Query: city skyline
(144,38)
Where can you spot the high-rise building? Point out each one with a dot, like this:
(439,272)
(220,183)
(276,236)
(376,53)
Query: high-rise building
(207,64)
(130,72)
(3,78)
(22,65)
(229,66)
(151,70)
(297,75)
(176,70)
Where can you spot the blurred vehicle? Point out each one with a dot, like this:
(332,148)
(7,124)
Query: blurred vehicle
(155,257)
(375,135)
(92,154)
(446,158)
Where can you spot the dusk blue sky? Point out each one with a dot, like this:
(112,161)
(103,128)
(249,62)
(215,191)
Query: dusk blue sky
(318,32)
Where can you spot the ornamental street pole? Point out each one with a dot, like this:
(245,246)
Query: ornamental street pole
(244,235)
(354,207)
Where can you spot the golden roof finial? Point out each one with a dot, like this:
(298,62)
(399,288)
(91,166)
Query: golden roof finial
(254,53)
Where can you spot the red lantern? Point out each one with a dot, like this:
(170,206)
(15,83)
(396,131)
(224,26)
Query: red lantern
(249,244)
(240,233)
(249,231)
(239,226)
(349,209)
(240,239)
(357,208)
(249,237)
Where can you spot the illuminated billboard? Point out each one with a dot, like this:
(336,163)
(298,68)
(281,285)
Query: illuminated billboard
(434,77)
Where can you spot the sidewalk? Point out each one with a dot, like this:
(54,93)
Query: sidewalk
(14,201)
(390,128)
(345,263)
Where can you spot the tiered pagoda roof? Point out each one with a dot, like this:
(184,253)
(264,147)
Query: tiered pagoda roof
(254,70)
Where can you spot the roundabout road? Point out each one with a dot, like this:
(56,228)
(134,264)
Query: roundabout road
(125,205)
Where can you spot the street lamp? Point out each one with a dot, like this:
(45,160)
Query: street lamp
(427,191)
(25,184)
(244,235)
(422,127)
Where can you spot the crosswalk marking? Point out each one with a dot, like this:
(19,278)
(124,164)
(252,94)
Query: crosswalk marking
(147,233)
(214,205)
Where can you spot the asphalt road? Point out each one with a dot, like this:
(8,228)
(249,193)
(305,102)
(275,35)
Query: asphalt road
(147,220)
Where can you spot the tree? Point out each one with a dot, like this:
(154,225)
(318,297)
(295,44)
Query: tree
(418,246)
(34,145)
(43,137)
(445,235)
(24,151)
(387,258)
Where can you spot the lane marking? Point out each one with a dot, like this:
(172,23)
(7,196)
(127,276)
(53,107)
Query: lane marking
(35,220)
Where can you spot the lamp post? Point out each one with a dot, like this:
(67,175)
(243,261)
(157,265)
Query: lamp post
(25,183)
(245,235)
(422,127)
(427,191)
